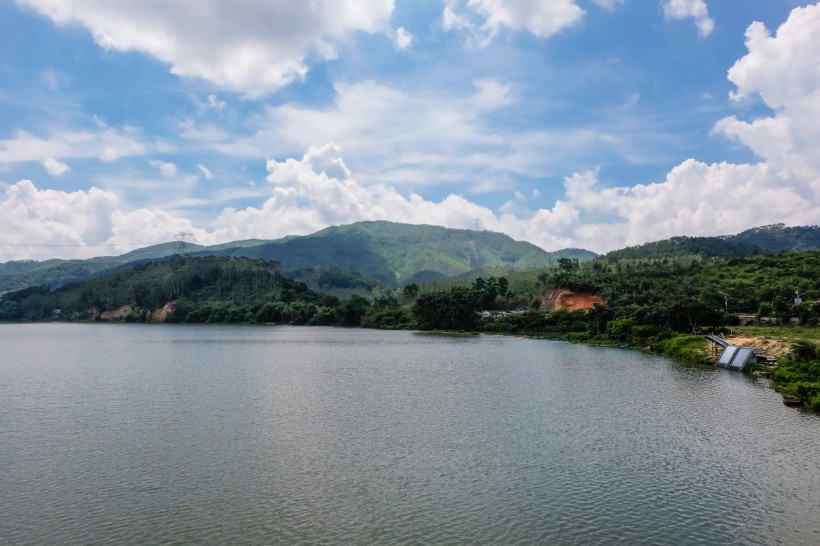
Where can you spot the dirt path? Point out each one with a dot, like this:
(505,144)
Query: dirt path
(770,347)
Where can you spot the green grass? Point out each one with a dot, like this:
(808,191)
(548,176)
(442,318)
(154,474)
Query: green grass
(788,334)
(685,347)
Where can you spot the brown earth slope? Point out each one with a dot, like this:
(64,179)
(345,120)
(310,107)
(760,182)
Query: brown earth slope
(559,299)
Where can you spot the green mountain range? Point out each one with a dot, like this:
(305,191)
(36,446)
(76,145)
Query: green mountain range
(366,254)
(400,254)
(387,252)
(759,240)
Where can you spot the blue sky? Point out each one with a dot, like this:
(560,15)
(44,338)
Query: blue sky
(568,123)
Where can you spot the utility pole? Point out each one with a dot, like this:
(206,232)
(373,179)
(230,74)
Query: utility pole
(182,241)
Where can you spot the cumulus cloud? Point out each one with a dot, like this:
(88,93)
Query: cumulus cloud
(484,19)
(696,9)
(721,198)
(320,188)
(695,198)
(306,197)
(54,167)
(82,223)
(403,38)
(783,72)
(248,46)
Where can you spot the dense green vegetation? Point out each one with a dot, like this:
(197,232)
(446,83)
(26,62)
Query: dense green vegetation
(201,290)
(662,302)
(800,375)
(400,254)
(779,238)
(760,240)
(388,253)
(685,294)
(648,300)
(665,305)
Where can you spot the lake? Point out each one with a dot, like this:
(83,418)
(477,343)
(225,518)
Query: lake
(141,434)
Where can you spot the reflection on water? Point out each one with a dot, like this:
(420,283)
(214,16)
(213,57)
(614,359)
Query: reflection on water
(190,434)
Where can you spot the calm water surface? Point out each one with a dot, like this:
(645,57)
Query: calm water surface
(113,434)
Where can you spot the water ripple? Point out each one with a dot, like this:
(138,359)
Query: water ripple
(327,436)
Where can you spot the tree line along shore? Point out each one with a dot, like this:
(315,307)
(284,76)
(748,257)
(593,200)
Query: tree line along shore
(658,304)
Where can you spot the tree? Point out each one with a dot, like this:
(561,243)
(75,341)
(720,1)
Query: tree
(598,318)
(411,291)
(353,310)
(454,309)
(567,265)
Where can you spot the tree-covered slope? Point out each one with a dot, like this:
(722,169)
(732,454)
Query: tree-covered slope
(779,238)
(707,247)
(760,240)
(186,289)
(666,291)
(399,254)
(53,273)
(23,267)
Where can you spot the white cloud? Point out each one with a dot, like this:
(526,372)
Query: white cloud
(318,190)
(484,19)
(403,38)
(250,46)
(744,196)
(165,169)
(215,103)
(54,167)
(415,140)
(695,198)
(321,188)
(206,172)
(82,223)
(607,4)
(723,198)
(782,70)
(696,9)
(106,144)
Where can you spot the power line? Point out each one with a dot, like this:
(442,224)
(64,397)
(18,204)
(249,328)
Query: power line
(63,245)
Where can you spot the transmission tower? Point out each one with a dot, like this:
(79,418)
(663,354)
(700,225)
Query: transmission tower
(182,240)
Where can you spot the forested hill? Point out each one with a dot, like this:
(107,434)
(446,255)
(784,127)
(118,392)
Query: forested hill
(400,254)
(395,254)
(186,289)
(760,240)
(778,238)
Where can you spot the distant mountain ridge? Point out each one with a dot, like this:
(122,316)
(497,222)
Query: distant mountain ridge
(400,254)
(392,253)
(759,240)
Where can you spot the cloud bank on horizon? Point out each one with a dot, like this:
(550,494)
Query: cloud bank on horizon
(594,124)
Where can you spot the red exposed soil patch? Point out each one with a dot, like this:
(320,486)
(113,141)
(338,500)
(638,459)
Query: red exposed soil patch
(557,299)
(161,314)
(116,313)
